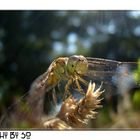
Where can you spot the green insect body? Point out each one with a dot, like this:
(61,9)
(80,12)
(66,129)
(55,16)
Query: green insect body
(63,68)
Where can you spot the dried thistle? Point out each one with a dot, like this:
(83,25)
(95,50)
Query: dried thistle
(76,113)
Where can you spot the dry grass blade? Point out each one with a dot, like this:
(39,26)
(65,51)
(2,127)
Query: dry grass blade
(76,113)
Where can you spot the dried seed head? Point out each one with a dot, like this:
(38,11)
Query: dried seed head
(76,114)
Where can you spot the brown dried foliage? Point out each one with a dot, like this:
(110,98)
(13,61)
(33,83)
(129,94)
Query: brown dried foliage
(76,113)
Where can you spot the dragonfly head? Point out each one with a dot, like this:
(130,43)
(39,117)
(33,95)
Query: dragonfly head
(77,64)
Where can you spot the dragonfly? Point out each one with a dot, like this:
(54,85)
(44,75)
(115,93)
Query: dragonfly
(73,70)
(77,70)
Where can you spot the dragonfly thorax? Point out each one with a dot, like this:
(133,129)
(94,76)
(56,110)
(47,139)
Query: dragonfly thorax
(60,67)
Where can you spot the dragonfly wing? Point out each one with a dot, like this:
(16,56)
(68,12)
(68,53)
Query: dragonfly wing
(100,76)
(37,84)
(103,64)
(108,71)
(108,65)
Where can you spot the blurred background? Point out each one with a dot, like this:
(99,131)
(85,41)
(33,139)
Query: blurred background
(31,40)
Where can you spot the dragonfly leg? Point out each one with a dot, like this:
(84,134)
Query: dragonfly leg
(83,81)
(78,86)
(59,89)
(54,97)
(67,92)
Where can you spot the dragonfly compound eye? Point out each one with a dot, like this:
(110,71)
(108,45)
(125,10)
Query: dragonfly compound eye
(81,65)
(78,64)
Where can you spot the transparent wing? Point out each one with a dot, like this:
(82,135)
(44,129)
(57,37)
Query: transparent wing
(107,70)
(108,65)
